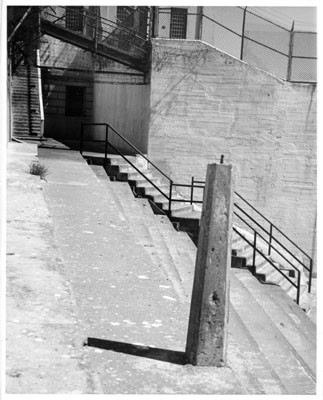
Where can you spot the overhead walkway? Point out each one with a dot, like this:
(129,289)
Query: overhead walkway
(98,35)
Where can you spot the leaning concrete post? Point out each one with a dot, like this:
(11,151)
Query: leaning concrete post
(208,323)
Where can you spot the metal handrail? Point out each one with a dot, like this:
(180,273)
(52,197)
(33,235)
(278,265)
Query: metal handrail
(253,245)
(193,185)
(277,251)
(107,143)
(272,237)
(139,152)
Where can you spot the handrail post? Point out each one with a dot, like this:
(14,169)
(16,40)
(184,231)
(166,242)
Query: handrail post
(254,250)
(106,144)
(170,198)
(298,286)
(81,139)
(192,189)
(270,238)
(310,276)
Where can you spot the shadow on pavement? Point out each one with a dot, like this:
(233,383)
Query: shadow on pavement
(171,356)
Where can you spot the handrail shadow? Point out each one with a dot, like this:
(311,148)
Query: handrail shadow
(171,356)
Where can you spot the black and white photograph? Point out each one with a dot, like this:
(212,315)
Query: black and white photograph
(159,200)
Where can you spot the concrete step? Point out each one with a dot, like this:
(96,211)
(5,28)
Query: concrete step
(183,263)
(255,365)
(299,342)
(167,263)
(270,340)
(121,191)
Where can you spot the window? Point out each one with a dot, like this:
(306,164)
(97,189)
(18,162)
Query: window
(74,103)
(178,23)
(74,18)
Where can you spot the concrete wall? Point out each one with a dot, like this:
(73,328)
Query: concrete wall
(123,102)
(114,94)
(205,103)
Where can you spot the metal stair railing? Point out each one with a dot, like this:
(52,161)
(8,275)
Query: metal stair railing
(101,30)
(107,143)
(272,241)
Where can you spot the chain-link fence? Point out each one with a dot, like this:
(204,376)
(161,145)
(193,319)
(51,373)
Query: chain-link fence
(287,53)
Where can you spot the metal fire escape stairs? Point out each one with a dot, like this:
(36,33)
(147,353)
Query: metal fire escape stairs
(86,29)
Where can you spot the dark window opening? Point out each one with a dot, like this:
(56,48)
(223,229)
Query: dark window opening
(178,23)
(74,103)
(74,18)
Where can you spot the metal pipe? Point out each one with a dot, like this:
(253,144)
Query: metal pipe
(270,238)
(254,250)
(170,198)
(192,189)
(298,287)
(19,23)
(310,276)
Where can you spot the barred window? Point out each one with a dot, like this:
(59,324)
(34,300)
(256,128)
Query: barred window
(74,103)
(178,23)
(74,18)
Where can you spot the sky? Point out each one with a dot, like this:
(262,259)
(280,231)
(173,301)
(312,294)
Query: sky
(304,17)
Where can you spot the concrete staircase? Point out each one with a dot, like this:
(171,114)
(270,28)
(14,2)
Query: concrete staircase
(187,217)
(25,102)
(272,342)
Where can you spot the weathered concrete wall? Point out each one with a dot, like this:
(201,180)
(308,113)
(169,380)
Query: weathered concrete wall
(205,103)
(123,102)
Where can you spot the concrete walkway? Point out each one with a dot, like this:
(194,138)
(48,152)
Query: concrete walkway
(88,310)
(84,277)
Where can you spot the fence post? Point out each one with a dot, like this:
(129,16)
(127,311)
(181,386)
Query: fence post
(198,26)
(290,55)
(192,189)
(155,22)
(208,322)
(242,33)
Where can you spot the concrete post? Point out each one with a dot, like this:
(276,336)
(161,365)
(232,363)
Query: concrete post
(208,322)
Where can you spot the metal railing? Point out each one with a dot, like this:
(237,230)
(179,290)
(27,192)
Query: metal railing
(286,52)
(107,144)
(101,30)
(270,239)
(258,230)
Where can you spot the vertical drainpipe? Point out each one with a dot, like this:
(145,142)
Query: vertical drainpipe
(198,26)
